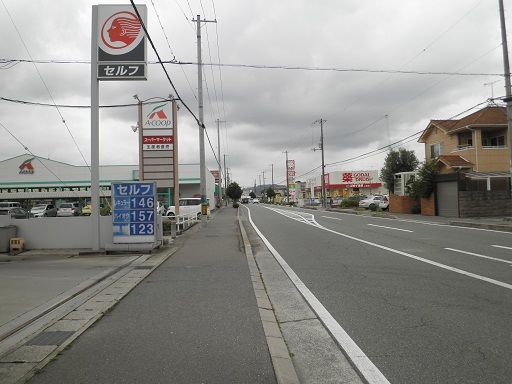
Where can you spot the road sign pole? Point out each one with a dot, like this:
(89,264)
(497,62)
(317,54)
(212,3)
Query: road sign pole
(95,152)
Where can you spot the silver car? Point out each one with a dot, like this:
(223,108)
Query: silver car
(43,210)
(69,209)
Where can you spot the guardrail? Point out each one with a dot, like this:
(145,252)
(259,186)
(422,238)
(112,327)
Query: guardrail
(181,223)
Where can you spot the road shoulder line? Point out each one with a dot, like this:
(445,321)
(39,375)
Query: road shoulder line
(281,360)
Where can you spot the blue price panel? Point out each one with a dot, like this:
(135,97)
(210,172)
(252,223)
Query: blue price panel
(134,210)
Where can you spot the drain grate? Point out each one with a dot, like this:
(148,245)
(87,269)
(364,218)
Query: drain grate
(143,267)
(50,338)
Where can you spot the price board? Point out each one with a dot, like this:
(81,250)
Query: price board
(133,212)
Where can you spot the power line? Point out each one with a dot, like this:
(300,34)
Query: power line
(45,85)
(282,67)
(77,106)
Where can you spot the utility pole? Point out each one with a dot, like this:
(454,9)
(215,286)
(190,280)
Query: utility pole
(259,179)
(272,165)
(287,179)
(263,181)
(225,174)
(202,161)
(323,161)
(508,92)
(220,166)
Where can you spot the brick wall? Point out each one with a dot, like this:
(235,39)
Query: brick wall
(484,203)
(428,205)
(400,204)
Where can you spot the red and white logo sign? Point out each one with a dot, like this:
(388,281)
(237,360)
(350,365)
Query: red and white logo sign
(120,33)
(26,168)
(157,117)
(158,140)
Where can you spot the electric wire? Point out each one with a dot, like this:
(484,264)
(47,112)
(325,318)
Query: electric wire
(281,67)
(38,158)
(199,123)
(170,49)
(45,85)
(78,106)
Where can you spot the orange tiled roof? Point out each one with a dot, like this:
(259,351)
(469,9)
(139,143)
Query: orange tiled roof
(455,161)
(486,116)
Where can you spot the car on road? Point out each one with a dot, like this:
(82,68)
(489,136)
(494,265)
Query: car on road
(15,213)
(9,204)
(69,209)
(189,206)
(255,201)
(369,201)
(43,210)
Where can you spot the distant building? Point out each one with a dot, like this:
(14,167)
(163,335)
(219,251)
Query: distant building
(29,179)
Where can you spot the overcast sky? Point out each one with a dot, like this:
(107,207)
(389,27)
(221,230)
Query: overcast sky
(264,111)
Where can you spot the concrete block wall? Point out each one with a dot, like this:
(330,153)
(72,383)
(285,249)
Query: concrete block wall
(485,203)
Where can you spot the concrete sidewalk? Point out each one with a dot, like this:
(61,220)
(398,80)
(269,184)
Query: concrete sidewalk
(194,319)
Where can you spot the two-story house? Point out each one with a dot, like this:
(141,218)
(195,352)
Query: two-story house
(476,147)
(477,142)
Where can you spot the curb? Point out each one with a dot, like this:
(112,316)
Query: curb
(495,227)
(279,354)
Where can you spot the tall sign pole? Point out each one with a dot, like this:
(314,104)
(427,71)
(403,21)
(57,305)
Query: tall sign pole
(287,180)
(115,55)
(508,92)
(95,141)
(220,165)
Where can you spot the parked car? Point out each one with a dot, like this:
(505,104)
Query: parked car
(366,203)
(69,209)
(384,203)
(15,213)
(189,206)
(43,210)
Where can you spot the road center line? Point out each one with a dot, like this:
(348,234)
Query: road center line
(332,218)
(396,229)
(501,246)
(478,255)
(361,362)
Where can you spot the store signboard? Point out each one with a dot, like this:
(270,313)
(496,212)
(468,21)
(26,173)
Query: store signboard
(121,42)
(158,143)
(133,212)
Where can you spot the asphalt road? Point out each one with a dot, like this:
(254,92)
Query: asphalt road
(422,313)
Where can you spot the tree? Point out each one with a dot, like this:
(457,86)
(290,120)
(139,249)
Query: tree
(271,194)
(234,191)
(252,195)
(423,183)
(395,162)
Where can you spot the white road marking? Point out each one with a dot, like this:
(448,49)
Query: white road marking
(501,246)
(478,255)
(332,218)
(396,229)
(427,261)
(362,363)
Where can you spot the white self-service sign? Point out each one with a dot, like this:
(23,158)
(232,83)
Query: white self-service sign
(121,43)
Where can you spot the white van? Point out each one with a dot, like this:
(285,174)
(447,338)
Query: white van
(9,204)
(189,206)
